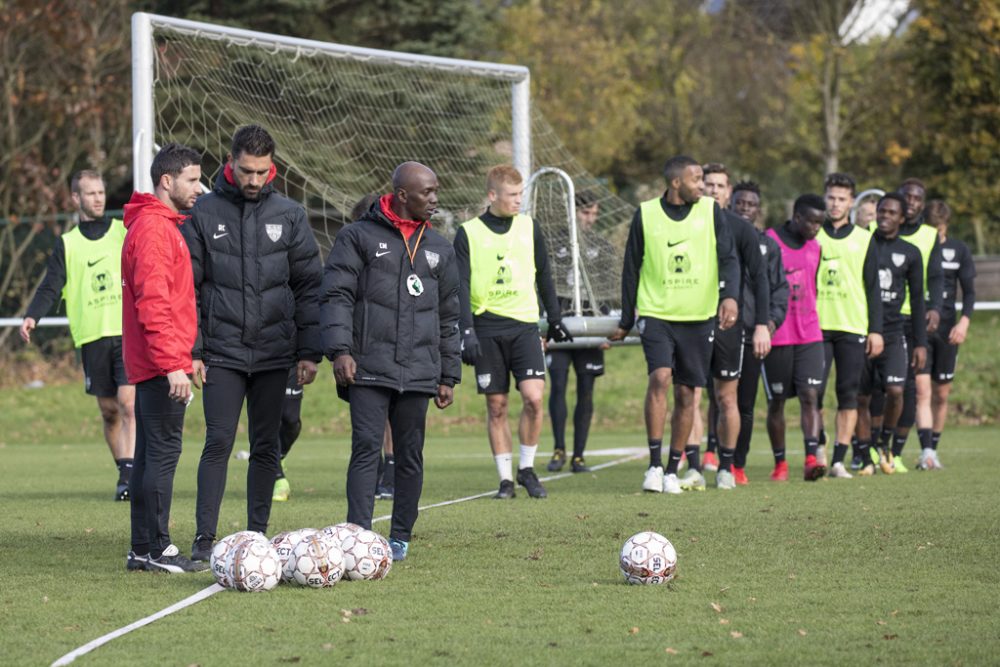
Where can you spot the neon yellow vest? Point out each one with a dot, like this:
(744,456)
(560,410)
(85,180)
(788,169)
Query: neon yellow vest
(924,238)
(502,269)
(840,289)
(679,277)
(93,289)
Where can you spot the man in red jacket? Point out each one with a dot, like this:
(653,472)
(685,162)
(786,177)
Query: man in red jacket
(159,326)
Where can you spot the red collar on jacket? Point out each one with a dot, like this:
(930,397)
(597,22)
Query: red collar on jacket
(405,227)
(144,203)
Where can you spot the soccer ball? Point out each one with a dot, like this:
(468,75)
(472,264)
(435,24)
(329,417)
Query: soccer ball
(220,554)
(253,566)
(283,544)
(648,558)
(366,556)
(316,562)
(338,532)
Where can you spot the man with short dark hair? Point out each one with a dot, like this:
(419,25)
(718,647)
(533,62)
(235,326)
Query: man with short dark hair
(587,363)
(850,310)
(159,326)
(390,312)
(84,269)
(900,277)
(728,348)
(746,203)
(959,271)
(795,364)
(503,268)
(257,276)
(680,274)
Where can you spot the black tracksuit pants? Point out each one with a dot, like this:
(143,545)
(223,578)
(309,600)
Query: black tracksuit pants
(746,398)
(407,413)
(158,433)
(223,396)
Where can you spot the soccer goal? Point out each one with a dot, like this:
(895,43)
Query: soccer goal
(344,117)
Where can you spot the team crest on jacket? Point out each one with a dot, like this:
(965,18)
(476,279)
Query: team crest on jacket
(273,232)
(898,258)
(948,254)
(432,258)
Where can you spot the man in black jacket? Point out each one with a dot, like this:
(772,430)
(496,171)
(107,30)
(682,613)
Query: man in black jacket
(257,275)
(390,326)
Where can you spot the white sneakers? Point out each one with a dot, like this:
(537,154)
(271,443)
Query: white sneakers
(838,471)
(672,485)
(693,481)
(724,479)
(653,481)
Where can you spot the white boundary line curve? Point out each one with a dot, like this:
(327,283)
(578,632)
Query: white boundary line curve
(216,588)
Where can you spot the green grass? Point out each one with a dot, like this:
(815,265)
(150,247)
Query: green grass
(896,570)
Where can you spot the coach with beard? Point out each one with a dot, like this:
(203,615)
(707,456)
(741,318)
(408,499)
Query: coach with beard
(257,275)
(389,312)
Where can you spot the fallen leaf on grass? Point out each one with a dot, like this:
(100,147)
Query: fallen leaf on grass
(88,530)
(45,598)
(717,607)
(582,517)
(642,514)
(880,622)
(693,539)
(634,631)
(360,611)
(291,658)
(535,555)
(894,612)
(671,651)
(346,613)
(723,621)
(327,646)
(889,636)
(707,654)
(723,590)
(802,633)
(736,634)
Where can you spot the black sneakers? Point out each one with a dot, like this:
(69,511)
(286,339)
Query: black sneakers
(579,465)
(557,461)
(506,491)
(121,492)
(384,492)
(527,478)
(173,562)
(201,550)
(136,563)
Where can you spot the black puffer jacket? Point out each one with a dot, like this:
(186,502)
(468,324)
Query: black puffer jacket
(398,340)
(257,276)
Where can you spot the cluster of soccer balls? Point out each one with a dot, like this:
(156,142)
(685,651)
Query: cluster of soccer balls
(248,561)
(648,558)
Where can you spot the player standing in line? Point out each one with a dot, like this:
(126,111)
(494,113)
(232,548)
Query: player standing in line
(795,365)
(390,325)
(587,363)
(865,216)
(159,327)
(746,203)
(728,349)
(680,273)
(850,309)
(84,269)
(501,260)
(917,393)
(257,276)
(900,274)
(958,269)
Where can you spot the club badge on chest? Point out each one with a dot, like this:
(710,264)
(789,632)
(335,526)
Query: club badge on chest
(413,285)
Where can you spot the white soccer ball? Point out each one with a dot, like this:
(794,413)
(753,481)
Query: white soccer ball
(337,533)
(648,558)
(283,544)
(366,556)
(220,554)
(253,566)
(316,562)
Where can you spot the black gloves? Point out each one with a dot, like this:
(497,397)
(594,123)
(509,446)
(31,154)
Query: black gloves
(558,333)
(470,347)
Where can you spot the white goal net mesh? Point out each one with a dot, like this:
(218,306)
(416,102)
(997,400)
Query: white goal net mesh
(342,122)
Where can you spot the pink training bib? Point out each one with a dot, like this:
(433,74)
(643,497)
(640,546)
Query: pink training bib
(801,324)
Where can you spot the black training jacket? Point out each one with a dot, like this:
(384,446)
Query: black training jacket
(257,277)
(398,339)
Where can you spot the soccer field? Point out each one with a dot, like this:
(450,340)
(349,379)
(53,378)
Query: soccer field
(894,570)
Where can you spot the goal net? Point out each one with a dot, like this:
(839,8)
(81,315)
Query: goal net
(343,117)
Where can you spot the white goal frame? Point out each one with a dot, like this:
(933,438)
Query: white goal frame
(143,77)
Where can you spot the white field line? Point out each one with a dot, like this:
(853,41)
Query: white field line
(216,588)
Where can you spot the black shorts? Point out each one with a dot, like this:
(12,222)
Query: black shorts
(847,351)
(911,343)
(586,361)
(942,356)
(888,369)
(793,369)
(727,353)
(685,347)
(103,366)
(519,354)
